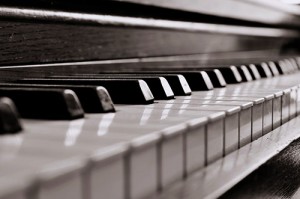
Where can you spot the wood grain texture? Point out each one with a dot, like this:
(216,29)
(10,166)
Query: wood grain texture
(40,42)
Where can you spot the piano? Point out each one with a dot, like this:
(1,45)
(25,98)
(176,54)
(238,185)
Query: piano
(132,99)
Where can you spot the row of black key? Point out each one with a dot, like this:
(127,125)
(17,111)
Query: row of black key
(68,97)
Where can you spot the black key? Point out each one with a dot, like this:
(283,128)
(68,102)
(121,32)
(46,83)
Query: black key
(94,99)
(216,78)
(231,74)
(45,103)
(273,68)
(280,67)
(121,91)
(263,70)
(254,72)
(177,82)
(245,74)
(197,80)
(9,117)
(159,86)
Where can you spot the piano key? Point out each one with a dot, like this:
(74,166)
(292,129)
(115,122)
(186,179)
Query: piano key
(61,178)
(268,109)
(121,91)
(45,103)
(263,70)
(283,67)
(245,74)
(293,102)
(99,161)
(167,134)
(254,72)
(273,68)
(297,59)
(231,74)
(294,63)
(277,110)
(197,80)
(290,65)
(159,86)
(204,127)
(9,117)
(247,118)
(15,188)
(216,78)
(177,82)
(195,144)
(94,99)
(279,67)
(215,126)
(232,122)
(213,122)
(285,106)
(206,182)
(298,101)
(257,118)
(188,114)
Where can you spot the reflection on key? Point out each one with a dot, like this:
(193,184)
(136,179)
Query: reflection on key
(73,132)
(105,123)
(146,115)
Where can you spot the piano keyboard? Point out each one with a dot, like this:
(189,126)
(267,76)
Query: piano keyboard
(136,148)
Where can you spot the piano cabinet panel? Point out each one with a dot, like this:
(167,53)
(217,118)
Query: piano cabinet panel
(33,42)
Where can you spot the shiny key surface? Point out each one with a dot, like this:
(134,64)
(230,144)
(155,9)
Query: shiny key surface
(159,86)
(94,99)
(121,91)
(45,103)
(149,147)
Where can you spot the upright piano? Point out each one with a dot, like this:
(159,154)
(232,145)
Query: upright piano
(131,99)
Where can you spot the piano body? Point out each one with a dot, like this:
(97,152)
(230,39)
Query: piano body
(206,98)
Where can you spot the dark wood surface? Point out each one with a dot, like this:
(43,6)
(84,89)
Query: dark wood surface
(278,178)
(274,13)
(40,42)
